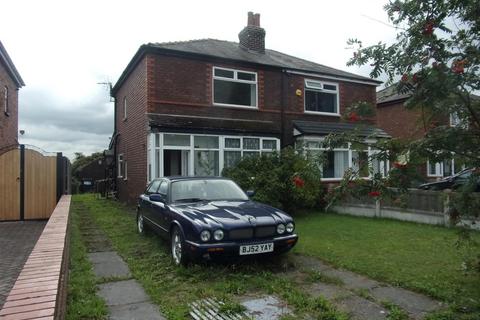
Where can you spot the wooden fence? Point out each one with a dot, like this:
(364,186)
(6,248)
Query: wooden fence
(31,182)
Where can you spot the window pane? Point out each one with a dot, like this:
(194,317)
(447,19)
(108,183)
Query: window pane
(313,144)
(244,94)
(269,144)
(245,76)
(206,163)
(251,154)
(157,140)
(157,164)
(224,73)
(232,158)
(206,142)
(329,87)
(251,143)
(320,101)
(336,164)
(176,140)
(313,84)
(232,143)
(360,163)
(447,168)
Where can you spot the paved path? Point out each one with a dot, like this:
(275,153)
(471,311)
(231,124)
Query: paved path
(360,297)
(17,240)
(124,296)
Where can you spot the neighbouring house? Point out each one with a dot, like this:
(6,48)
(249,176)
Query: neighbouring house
(10,82)
(89,173)
(196,107)
(399,122)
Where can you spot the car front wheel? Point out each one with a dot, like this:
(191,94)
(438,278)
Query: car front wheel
(179,253)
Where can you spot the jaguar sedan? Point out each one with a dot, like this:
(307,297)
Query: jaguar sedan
(208,217)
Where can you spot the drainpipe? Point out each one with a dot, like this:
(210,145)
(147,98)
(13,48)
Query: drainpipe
(284,100)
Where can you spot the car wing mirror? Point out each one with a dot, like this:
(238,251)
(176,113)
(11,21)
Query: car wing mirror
(156,197)
(250,193)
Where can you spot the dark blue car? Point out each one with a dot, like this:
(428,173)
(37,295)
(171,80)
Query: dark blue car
(206,217)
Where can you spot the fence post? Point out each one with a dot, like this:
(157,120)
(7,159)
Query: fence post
(378,210)
(22,182)
(446,208)
(60,177)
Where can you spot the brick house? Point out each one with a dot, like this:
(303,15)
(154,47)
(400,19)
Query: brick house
(399,122)
(10,82)
(196,107)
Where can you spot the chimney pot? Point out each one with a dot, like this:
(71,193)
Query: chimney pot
(251,19)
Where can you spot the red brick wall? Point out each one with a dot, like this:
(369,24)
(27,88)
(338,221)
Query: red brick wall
(175,85)
(133,131)
(8,123)
(400,122)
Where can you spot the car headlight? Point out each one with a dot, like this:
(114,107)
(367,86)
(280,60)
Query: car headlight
(205,235)
(218,235)
(281,228)
(290,227)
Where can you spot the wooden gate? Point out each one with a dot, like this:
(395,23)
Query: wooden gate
(31,183)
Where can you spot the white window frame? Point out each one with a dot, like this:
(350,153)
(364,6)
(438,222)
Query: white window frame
(440,168)
(234,79)
(320,88)
(158,172)
(369,149)
(5,102)
(124,108)
(120,163)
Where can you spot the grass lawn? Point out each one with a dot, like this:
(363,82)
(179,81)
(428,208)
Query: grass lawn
(171,287)
(415,256)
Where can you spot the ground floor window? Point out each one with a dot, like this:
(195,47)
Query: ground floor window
(445,168)
(361,159)
(171,154)
(121,167)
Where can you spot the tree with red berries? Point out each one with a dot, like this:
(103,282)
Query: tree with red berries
(436,59)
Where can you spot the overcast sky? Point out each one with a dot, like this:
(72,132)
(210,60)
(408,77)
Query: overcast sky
(62,49)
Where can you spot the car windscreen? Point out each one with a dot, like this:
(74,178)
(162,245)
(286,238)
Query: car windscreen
(206,189)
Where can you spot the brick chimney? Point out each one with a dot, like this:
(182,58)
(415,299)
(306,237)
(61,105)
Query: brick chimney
(252,37)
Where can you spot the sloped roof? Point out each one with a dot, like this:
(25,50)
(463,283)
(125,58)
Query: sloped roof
(11,69)
(229,50)
(325,128)
(391,94)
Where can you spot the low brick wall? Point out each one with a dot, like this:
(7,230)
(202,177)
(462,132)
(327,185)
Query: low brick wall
(40,289)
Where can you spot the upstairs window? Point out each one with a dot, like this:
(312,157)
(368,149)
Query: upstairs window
(5,100)
(234,87)
(124,108)
(321,97)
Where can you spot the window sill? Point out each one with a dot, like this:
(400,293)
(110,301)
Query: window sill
(329,114)
(225,105)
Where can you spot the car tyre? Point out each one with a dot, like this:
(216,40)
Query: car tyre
(141,225)
(179,254)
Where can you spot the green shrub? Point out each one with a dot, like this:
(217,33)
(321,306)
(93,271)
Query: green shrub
(288,180)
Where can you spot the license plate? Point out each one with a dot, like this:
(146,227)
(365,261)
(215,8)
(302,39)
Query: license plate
(256,248)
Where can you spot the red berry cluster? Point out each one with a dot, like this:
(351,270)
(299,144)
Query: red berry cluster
(399,165)
(458,66)
(353,117)
(428,28)
(298,182)
(374,194)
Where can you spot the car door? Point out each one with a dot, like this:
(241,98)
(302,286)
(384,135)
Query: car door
(145,203)
(159,209)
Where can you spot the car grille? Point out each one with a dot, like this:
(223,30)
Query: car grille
(239,234)
(248,233)
(262,232)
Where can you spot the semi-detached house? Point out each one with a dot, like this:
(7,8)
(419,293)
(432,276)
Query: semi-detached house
(196,107)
